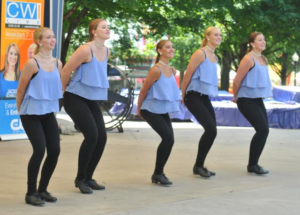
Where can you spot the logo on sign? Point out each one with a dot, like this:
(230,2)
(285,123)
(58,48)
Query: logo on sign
(23,14)
(16,125)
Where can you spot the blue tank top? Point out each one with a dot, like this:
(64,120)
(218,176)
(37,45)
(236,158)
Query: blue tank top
(90,80)
(256,83)
(42,94)
(8,89)
(205,78)
(163,96)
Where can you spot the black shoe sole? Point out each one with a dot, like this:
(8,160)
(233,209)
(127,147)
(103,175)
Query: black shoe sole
(202,175)
(83,191)
(258,173)
(97,188)
(51,201)
(157,182)
(38,205)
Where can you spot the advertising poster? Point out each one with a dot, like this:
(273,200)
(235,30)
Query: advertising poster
(19,19)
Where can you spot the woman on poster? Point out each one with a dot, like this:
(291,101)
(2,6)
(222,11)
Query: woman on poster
(10,73)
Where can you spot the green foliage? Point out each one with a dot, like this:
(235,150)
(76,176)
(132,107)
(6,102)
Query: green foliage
(185,22)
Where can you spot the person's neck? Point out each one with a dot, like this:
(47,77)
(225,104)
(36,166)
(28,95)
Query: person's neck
(10,74)
(256,53)
(164,61)
(45,53)
(211,48)
(99,43)
(11,69)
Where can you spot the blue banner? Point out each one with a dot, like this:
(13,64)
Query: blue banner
(10,120)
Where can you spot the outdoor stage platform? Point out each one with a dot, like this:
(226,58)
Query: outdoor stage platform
(285,114)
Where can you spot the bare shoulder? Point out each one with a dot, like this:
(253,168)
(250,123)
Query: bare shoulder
(59,63)
(248,59)
(154,72)
(173,70)
(31,63)
(199,53)
(108,51)
(84,49)
(198,57)
(82,54)
(246,64)
(265,59)
(30,67)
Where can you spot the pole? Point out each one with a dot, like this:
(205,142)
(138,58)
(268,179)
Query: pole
(295,80)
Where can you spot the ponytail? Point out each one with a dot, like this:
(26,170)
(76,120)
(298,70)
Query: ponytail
(37,49)
(157,58)
(204,42)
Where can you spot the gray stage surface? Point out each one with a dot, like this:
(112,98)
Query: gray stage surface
(128,162)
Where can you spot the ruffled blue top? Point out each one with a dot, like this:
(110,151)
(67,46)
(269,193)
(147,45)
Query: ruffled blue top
(256,83)
(42,94)
(205,78)
(90,80)
(163,96)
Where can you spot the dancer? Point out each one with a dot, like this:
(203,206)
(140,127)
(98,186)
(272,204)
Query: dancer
(37,99)
(158,97)
(251,84)
(88,84)
(200,81)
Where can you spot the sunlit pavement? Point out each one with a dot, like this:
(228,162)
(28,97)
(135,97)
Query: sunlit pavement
(128,163)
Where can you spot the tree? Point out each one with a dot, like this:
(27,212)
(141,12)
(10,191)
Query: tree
(78,14)
(185,23)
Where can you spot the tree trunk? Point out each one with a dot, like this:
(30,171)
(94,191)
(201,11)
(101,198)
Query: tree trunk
(66,40)
(225,69)
(182,70)
(284,69)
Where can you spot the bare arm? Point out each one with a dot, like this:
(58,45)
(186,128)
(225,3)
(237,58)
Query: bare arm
(197,58)
(108,53)
(244,67)
(152,76)
(81,55)
(174,71)
(60,67)
(28,70)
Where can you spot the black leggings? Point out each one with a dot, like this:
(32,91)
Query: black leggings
(86,114)
(161,123)
(42,132)
(255,112)
(200,106)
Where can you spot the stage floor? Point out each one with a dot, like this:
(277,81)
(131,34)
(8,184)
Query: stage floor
(128,163)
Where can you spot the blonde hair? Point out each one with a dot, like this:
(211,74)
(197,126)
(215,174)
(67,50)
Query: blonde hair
(38,35)
(207,33)
(93,26)
(6,65)
(160,45)
(32,46)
